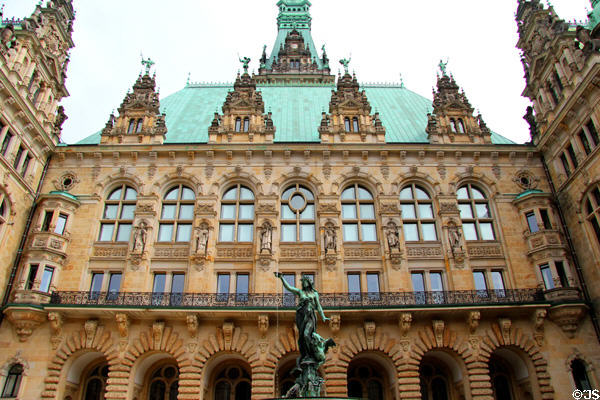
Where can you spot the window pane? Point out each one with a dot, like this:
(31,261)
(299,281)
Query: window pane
(61,222)
(367,211)
(297,202)
(288,233)
(462,193)
(410,233)
(364,194)
(286,212)
(173,194)
(228,211)
(429,232)
(483,211)
(348,194)
(245,233)
(106,232)
(159,283)
(497,280)
(96,285)
(130,194)
(168,211)
(408,211)
(418,282)
(246,211)
(479,278)
(425,211)
(487,233)
(286,195)
(348,211)
(246,194)
(124,233)
(188,194)
(110,211)
(547,276)
(350,232)
(231,194)
(165,232)
(308,213)
(290,280)
(353,283)
(186,211)
(369,233)
(46,279)
(465,211)
(373,283)
(184,232)
(469,231)
(307,233)
(421,194)
(436,281)
(307,193)
(178,283)
(127,211)
(406,193)
(226,233)
(116,195)
(223,283)
(477,194)
(545,218)
(114,285)
(532,222)
(241,286)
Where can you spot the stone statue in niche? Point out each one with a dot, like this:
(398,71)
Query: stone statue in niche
(330,238)
(140,237)
(392,236)
(266,237)
(202,239)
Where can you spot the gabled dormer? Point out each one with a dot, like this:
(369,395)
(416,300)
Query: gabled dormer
(452,120)
(350,119)
(243,119)
(139,120)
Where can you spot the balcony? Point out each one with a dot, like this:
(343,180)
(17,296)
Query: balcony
(543,239)
(269,301)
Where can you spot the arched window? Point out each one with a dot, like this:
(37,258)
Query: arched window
(177,215)
(119,210)
(434,382)
(297,215)
(233,383)
(580,376)
(236,222)
(502,378)
(418,217)
(355,124)
(238,124)
(95,383)
(365,381)
(592,210)
(347,124)
(461,126)
(131,126)
(453,125)
(477,221)
(246,124)
(358,215)
(164,383)
(13,381)
(138,127)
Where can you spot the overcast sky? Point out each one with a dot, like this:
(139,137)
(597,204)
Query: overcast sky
(385,38)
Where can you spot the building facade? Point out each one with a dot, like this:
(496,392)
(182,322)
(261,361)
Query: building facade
(453,263)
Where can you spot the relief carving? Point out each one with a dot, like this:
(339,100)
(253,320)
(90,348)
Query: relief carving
(234,252)
(485,251)
(192,324)
(405,323)
(424,252)
(296,253)
(360,253)
(263,324)
(473,320)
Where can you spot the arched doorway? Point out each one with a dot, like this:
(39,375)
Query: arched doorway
(154,376)
(232,381)
(94,384)
(442,377)
(369,377)
(510,376)
(164,383)
(285,376)
(84,376)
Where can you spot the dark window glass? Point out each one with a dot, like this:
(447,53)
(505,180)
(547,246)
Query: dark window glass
(545,218)
(355,124)
(347,124)
(553,93)
(96,285)
(502,388)
(532,222)
(584,142)
(13,381)
(558,82)
(562,274)
(418,282)
(160,281)
(47,221)
(572,156)
(114,286)
(453,125)
(25,165)
(580,376)
(222,287)
(131,126)
(18,156)
(246,124)
(461,126)
(593,132)
(241,287)
(6,142)
(140,123)
(33,269)
(596,228)
(178,283)
(565,163)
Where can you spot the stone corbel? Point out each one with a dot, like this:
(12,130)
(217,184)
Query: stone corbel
(192,324)
(228,328)
(263,324)
(505,324)
(438,331)
(122,325)
(567,317)
(370,328)
(158,328)
(405,322)
(25,320)
(473,321)
(56,325)
(538,325)
(335,322)
(90,327)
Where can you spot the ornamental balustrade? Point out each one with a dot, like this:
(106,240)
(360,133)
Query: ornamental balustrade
(276,301)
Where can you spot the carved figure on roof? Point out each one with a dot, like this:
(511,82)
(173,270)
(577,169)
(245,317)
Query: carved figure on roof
(584,36)
(530,118)
(443,66)
(147,63)
(345,62)
(61,117)
(245,62)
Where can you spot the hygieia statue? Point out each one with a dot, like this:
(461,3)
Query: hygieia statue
(312,346)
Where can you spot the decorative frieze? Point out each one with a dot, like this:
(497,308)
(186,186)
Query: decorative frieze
(110,251)
(234,252)
(296,253)
(172,252)
(362,252)
(420,251)
(493,250)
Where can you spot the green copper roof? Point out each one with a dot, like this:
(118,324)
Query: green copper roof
(296,112)
(65,194)
(528,192)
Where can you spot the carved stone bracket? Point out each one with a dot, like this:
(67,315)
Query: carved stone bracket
(122,325)
(567,317)
(370,328)
(538,325)
(56,325)
(90,327)
(438,331)
(25,320)
(228,328)
(192,324)
(405,323)
(158,328)
(263,324)
(505,324)
(335,322)
(473,320)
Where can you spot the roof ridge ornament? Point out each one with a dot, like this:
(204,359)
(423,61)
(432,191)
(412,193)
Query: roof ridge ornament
(345,62)
(245,62)
(443,66)
(147,63)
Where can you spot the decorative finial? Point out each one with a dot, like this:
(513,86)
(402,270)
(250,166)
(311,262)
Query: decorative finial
(345,62)
(188,78)
(245,61)
(442,66)
(147,63)
(401,81)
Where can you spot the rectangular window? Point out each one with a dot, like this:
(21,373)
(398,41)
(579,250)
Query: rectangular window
(158,288)
(114,286)
(310,276)
(562,274)
(545,218)
(437,286)
(222,287)
(369,233)
(184,232)
(565,164)
(5,143)
(177,285)
(25,165)
(593,132)
(47,221)
(350,232)
(532,222)
(245,232)
(354,288)
(165,232)
(584,142)
(61,223)
(480,283)
(487,232)
(33,269)
(18,156)
(241,287)
(288,233)
(226,233)
(106,232)
(288,297)
(373,285)
(469,231)
(307,233)
(96,285)
(124,232)
(411,233)
(497,281)
(547,276)
(46,279)
(572,156)
(418,283)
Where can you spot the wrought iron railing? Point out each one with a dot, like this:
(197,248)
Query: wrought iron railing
(274,301)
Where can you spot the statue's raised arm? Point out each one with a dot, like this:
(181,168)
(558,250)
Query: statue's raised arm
(286,285)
